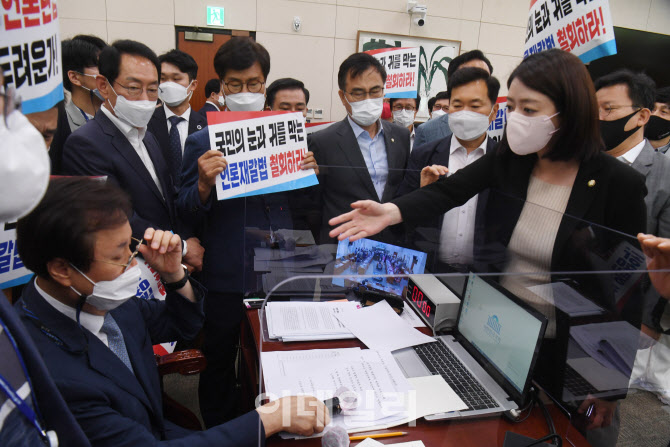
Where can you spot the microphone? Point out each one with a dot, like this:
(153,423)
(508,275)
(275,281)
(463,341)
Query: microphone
(337,436)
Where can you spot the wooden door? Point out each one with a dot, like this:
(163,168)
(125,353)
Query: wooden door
(203,53)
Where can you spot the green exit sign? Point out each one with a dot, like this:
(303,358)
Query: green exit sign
(214,16)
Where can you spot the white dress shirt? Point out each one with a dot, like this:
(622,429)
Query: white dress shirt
(182,127)
(630,156)
(411,139)
(458,227)
(135,137)
(88,321)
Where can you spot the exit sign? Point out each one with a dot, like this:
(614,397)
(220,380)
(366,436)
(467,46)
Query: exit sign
(214,16)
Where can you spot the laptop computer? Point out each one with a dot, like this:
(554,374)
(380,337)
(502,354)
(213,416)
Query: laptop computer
(489,359)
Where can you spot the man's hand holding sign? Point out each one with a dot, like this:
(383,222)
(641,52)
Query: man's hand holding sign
(255,153)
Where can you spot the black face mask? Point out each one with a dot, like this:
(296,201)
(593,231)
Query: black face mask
(657,128)
(613,132)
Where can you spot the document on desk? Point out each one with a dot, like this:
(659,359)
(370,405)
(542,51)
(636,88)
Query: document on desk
(614,344)
(567,299)
(385,397)
(369,442)
(381,328)
(307,320)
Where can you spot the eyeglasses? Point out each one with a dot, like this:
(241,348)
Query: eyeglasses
(136,92)
(606,110)
(130,259)
(360,95)
(443,108)
(398,108)
(253,86)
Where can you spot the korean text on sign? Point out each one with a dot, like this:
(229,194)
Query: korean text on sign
(402,71)
(264,151)
(582,27)
(12,270)
(30,52)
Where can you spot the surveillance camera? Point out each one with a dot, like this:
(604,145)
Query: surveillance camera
(418,12)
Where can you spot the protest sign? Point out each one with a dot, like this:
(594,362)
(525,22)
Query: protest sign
(30,53)
(12,270)
(311,128)
(402,71)
(497,126)
(582,27)
(264,151)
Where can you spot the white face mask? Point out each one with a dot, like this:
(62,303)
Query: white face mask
(404,118)
(135,113)
(222,101)
(527,135)
(108,295)
(174,94)
(245,102)
(366,112)
(468,125)
(437,113)
(25,167)
(96,92)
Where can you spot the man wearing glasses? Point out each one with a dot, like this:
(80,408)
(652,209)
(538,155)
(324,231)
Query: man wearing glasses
(367,155)
(243,66)
(96,337)
(116,143)
(404,112)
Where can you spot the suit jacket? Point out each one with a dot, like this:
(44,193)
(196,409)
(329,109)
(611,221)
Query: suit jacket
(336,151)
(158,127)
(54,410)
(655,166)
(113,406)
(438,152)
(432,130)
(99,148)
(207,108)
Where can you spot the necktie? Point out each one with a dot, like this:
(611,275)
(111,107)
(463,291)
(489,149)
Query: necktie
(175,148)
(115,340)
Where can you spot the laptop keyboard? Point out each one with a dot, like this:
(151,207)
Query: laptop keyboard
(576,384)
(442,361)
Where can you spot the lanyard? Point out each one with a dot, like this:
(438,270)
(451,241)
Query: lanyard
(21,404)
(83,113)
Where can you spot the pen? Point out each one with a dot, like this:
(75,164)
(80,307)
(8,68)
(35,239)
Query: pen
(377,435)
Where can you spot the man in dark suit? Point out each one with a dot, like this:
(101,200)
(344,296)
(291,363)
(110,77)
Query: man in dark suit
(96,339)
(361,157)
(438,128)
(243,66)
(175,119)
(116,143)
(214,97)
(625,101)
(17,348)
(472,95)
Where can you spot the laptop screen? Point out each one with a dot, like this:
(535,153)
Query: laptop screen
(368,257)
(504,331)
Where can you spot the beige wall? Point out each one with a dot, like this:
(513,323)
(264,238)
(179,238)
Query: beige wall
(329,29)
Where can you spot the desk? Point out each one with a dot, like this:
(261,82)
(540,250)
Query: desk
(462,433)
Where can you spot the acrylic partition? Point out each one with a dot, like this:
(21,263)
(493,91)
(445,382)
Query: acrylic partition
(556,312)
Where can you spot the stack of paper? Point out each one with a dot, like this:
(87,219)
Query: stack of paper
(369,442)
(614,344)
(306,321)
(381,328)
(567,299)
(385,398)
